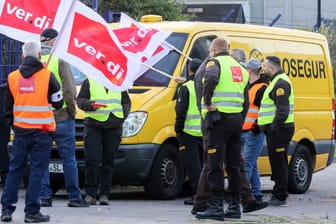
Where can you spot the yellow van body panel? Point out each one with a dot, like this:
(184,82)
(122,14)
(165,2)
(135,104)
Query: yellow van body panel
(150,157)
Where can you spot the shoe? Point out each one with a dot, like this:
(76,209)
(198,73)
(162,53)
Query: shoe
(233,211)
(90,200)
(255,205)
(189,201)
(103,200)
(215,211)
(259,198)
(47,202)
(38,217)
(78,203)
(6,216)
(195,210)
(276,202)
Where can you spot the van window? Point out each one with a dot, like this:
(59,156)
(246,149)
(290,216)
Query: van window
(167,64)
(200,49)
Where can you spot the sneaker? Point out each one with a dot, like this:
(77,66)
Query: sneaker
(6,216)
(90,200)
(47,202)
(103,200)
(255,205)
(77,203)
(276,202)
(38,217)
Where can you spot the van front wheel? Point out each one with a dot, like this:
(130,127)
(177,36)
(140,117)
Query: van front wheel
(166,177)
(300,171)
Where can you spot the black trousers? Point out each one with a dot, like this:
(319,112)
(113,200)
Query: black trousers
(224,146)
(277,146)
(4,138)
(101,145)
(191,151)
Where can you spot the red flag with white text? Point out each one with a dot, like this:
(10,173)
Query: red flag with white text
(87,42)
(24,20)
(147,41)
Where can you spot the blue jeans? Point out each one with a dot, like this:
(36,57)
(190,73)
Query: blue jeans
(37,145)
(251,148)
(65,141)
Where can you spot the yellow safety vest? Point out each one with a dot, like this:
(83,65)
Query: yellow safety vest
(228,95)
(53,67)
(267,107)
(111,98)
(192,124)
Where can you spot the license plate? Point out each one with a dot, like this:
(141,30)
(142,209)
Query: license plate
(55,168)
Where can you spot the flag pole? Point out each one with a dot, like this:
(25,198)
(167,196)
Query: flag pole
(177,50)
(177,79)
(59,33)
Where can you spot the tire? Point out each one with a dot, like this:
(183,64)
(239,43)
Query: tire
(300,171)
(166,177)
(56,182)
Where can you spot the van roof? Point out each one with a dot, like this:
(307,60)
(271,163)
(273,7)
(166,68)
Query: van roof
(195,27)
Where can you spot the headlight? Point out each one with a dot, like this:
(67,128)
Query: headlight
(133,123)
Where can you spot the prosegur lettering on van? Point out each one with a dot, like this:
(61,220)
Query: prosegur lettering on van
(148,155)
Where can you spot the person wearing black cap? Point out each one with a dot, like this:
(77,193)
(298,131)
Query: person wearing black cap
(188,129)
(64,135)
(276,118)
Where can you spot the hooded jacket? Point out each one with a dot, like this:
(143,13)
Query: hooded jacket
(28,68)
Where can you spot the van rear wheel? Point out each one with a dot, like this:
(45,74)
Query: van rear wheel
(166,177)
(300,171)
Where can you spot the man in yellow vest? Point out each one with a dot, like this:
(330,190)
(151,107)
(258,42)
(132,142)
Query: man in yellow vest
(31,93)
(252,137)
(224,106)
(64,136)
(105,111)
(188,129)
(277,120)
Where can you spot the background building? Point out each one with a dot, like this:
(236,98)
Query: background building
(297,14)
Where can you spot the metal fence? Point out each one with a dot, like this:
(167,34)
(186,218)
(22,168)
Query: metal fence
(10,56)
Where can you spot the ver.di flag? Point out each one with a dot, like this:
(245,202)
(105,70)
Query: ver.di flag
(89,44)
(24,20)
(151,53)
(139,40)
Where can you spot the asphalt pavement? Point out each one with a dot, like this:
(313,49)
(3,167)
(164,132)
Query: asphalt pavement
(130,205)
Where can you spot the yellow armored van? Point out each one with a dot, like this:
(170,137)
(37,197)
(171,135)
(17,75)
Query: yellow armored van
(148,155)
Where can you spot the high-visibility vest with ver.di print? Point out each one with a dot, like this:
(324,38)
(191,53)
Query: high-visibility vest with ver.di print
(228,96)
(31,109)
(111,98)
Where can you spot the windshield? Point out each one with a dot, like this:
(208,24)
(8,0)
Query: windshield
(167,64)
(152,78)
